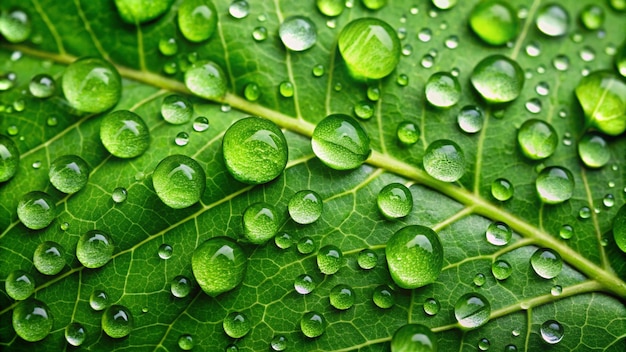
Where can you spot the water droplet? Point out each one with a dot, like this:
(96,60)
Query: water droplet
(255,150)
(363,110)
(42,86)
(444,160)
(7,81)
(546,263)
(19,285)
(218,264)
(98,300)
(330,8)
(619,228)
(537,139)
(470,119)
(313,324)
(425,34)
(286,89)
(36,210)
(342,297)
(552,331)
(179,181)
(165,251)
(587,54)
(9,158)
(374,4)
(593,150)
(12,130)
(182,139)
(168,46)
(561,63)
(402,80)
(414,256)
(566,232)
(542,88)
(180,286)
(298,33)
(200,124)
(502,189)
(370,48)
(117,321)
(555,185)
(260,222)
(498,234)
(49,258)
(367,259)
(305,207)
(318,70)
(15,25)
(207,80)
(407,49)
(414,338)
(91,85)
(304,284)
(383,297)
(279,342)
(443,90)
(197,19)
(501,269)
(69,173)
(556,290)
(283,240)
(533,49)
(373,93)
(236,325)
(608,200)
(494,22)
(340,142)
(431,306)
(19,105)
(75,334)
(140,11)
(452,42)
(32,320)
(408,133)
(427,62)
(472,310)
(484,344)
(479,279)
(592,17)
(584,213)
(239,9)
(94,249)
(498,79)
(186,342)
(329,259)
(306,245)
(176,109)
(231,348)
(395,201)
(552,20)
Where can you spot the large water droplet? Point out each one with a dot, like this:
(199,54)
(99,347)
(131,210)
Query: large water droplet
(444,160)
(197,19)
(501,269)
(370,48)
(395,201)
(218,264)
(494,22)
(537,139)
(69,173)
(552,331)
(94,249)
(305,207)
(92,85)
(472,310)
(383,297)
(49,258)
(179,181)
(553,20)
(32,320)
(342,297)
(42,86)
(502,189)
(117,321)
(329,259)
(260,222)
(602,95)
(206,79)
(340,142)
(15,25)
(19,285)
(498,79)
(414,256)
(36,210)
(140,11)
(313,324)
(255,150)
(413,338)
(443,90)
(555,185)
(298,33)
(546,262)
(75,334)
(236,325)
(9,158)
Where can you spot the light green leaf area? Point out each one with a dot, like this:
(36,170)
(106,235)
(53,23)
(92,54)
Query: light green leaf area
(590,307)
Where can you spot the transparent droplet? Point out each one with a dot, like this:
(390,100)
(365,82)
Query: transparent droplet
(546,263)
(425,34)
(318,70)
(239,9)
(554,185)
(49,258)
(9,158)
(75,334)
(593,150)
(259,33)
(566,232)
(168,46)
(498,79)
(584,213)
(470,119)
(592,17)
(298,33)
(329,259)
(313,324)
(179,181)
(494,22)
(117,321)
(283,240)
(542,88)
(200,124)
(94,249)
(304,284)
(533,49)
(552,331)
(402,80)
(279,342)
(408,133)
(395,201)
(431,306)
(165,251)
(218,265)
(444,160)
(442,90)
(12,130)
(340,142)
(180,286)
(414,256)
(501,269)
(19,285)
(608,200)
(619,228)
(331,8)
(484,344)
(561,63)
(342,297)
(206,79)
(452,42)
(252,92)
(236,325)
(374,4)
(186,342)
(373,93)
(286,89)
(363,110)
(556,290)
(498,234)
(91,85)
(15,25)
(176,109)
(36,210)
(553,20)
(472,310)
(479,279)
(367,259)
(32,320)
(502,189)
(69,173)
(98,300)
(537,139)
(305,207)
(260,222)
(19,105)
(42,86)
(427,62)
(407,49)
(383,297)
(587,54)
(52,121)
(413,338)
(306,245)
(181,139)
(197,20)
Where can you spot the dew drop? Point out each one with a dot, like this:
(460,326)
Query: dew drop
(537,139)
(117,321)
(75,334)
(553,20)
(479,279)
(313,324)
(367,259)
(593,150)
(305,207)
(91,85)
(542,88)
(408,133)
(587,54)
(546,263)
(206,79)
(554,185)
(331,8)
(298,33)
(329,259)
(9,158)
(279,342)
(424,35)
(402,80)
(395,201)
(494,22)
(218,265)
(470,119)
(179,181)
(561,63)
(304,284)
(252,92)
(32,320)
(533,49)
(182,139)
(186,342)
(566,232)
(602,96)
(175,109)
(306,245)
(584,213)
(15,25)
(283,240)
(200,124)
(472,310)
(197,19)
(552,331)
(69,173)
(286,89)
(444,160)
(98,300)
(42,86)
(498,79)
(340,142)
(342,297)
(431,306)
(484,344)
(260,222)
(556,290)
(383,297)
(36,210)
(180,286)
(19,285)
(363,110)
(592,17)
(502,189)
(501,269)
(94,249)
(318,70)
(443,90)
(49,258)
(239,9)
(427,62)
(236,325)
(414,338)
(373,93)
(259,33)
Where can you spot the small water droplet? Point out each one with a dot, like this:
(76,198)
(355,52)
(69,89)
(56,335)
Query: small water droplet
(252,92)
(36,210)
(168,46)
(340,142)
(413,337)
(182,139)
(498,79)
(75,334)
(117,321)
(408,133)
(502,189)
(318,70)
(218,265)
(286,89)
(94,249)
(283,240)
(546,263)
(425,34)
(19,285)
(15,26)
(313,324)
(165,251)
(197,20)
(552,331)
(498,234)
(329,259)
(42,86)
(200,124)
(608,201)
(395,201)
(556,290)
(494,22)
(501,269)
(553,20)
(98,300)
(592,17)
(537,139)
(593,150)
(402,80)
(179,181)
(65,226)
(431,306)
(383,297)
(484,344)
(260,222)
(49,258)
(407,49)
(470,119)
(259,33)
(305,207)
(533,106)
(479,279)
(180,287)
(306,245)
(342,297)
(91,85)
(561,63)
(444,160)
(442,90)
(363,110)
(279,342)
(239,9)
(554,185)
(427,61)
(236,325)
(587,54)
(533,49)
(186,342)
(452,42)
(367,259)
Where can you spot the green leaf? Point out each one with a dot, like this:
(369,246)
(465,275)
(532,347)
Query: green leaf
(590,307)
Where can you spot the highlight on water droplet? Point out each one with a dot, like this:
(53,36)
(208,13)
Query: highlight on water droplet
(298,33)
(546,263)
(444,160)
(32,320)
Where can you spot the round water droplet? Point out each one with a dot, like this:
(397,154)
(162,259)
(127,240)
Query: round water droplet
(414,256)
(304,284)
(260,222)
(413,338)
(7,81)
(484,344)
(140,11)
(19,105)
(383,297)
(374,4)
(425,34)
(373,93)
(472,310)
(279,342)
(313,324)
(546,263)
(470,119)
(542,88)
(593,150)
(94,249)
(165,251)
(533,49)
(566,232)
(197,19)
(255,150)
(236,325)
(552,20)
(584,213)
(168,46)
(92,85)
(367,259)
(501,269)
(19,285)
(331,8)
(179,181)
(9,158)
(231,348)
(479,279)
(69,173)
(537,139)
(298,33)
(239,9)
(592,17)
(555,185)
(182,139)
(180,286)
(552,331)
(587,54)
(305,207)
(36,210)
(443,90)
(98,300)
(408,133)
(395,201)
(15,25)
(498,79)
(49,258)
(119,195)
(176,109)
(431,306)
(533,106)
(444,160)
(363,110)
(206,79)
(620,59)
(12,130)
(342,297)
(306,245)
(427,62)
(494,22)
(117,321)
(619,228)
(32,320)
(283,240)
(218,264)
(561,63)
(124,134)
(170,68)
(42,86)
(329,259)
(200,124)
(259,34)
(502,189)
(556,290)
(75,334)
(286,89)
(186,342)
(370,48)
(340,142)
(252,92)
